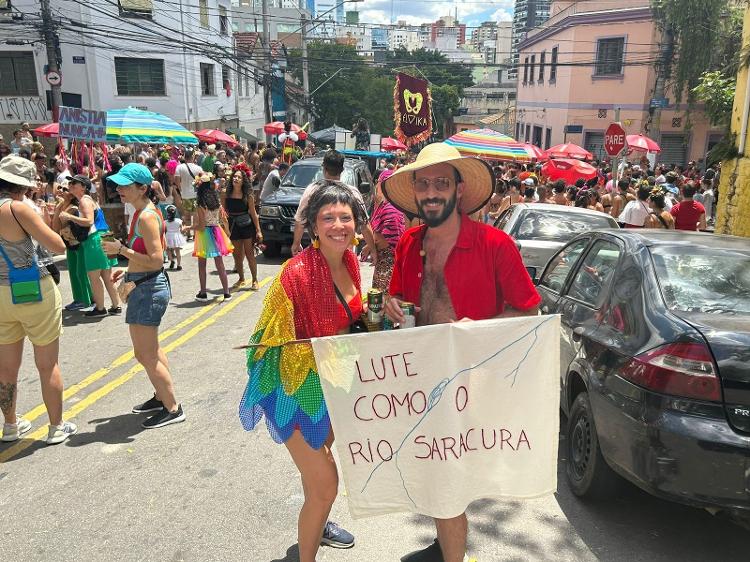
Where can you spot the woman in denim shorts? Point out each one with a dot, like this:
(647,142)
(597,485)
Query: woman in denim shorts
(149,297)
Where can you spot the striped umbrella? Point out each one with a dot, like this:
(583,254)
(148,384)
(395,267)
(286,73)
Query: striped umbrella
(489,144)
(133,125)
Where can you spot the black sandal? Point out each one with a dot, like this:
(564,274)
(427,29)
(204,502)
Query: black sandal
(115,310)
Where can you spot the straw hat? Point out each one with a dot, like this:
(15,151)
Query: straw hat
(476,176)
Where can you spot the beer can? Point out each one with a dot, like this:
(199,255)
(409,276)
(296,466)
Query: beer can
(375,307)
(410,318)
(387,324)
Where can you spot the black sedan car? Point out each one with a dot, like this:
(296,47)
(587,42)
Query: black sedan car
(655,363)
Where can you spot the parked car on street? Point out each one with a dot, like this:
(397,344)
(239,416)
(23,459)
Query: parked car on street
(655,363)
(278,209)
(540,229)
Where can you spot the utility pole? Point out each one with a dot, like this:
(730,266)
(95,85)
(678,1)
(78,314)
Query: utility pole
(305,73)
(51,42)
(267,73)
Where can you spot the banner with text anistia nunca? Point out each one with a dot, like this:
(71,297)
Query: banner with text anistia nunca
(428,420)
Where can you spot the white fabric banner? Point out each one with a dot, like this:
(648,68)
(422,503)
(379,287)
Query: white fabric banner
(428,420)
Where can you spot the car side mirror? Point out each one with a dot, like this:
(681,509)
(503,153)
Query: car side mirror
(365,187)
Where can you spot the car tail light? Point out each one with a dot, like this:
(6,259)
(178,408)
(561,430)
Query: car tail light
(679,369)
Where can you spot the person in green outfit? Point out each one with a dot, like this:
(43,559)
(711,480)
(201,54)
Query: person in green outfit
(98,265)
(209,161)
(72,234)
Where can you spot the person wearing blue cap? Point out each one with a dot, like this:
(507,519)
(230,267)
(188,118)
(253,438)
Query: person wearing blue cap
(146,290)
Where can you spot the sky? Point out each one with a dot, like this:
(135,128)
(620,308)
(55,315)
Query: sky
(472,13)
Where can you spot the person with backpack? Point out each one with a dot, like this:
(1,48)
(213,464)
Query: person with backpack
(30,304)
(73,234)
(185,175)
(98,265)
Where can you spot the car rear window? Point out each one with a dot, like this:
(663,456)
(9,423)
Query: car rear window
(302,176)
(712,280)
(557,226)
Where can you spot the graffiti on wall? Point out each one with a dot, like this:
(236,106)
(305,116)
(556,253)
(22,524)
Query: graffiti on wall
(23,108)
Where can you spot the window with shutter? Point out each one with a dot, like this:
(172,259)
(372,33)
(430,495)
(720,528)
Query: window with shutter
(140,77)
(18,75)
(610,55)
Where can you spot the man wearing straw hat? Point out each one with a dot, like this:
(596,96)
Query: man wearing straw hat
(453,269)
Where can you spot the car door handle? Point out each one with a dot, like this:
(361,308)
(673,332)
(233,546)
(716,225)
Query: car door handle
(578,332)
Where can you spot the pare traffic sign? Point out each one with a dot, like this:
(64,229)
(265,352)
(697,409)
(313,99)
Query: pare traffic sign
(614,139)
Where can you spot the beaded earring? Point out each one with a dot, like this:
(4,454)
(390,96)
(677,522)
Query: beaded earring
(355,242)
(316,243)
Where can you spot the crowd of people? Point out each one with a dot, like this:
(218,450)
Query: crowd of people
(425,231)
(640,196)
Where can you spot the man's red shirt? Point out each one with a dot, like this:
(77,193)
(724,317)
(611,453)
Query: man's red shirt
(483,272)
(686,214)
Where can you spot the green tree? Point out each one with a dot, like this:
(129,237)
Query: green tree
(703,35)
(350,86)
(716,91)
(353,89)
(445,104)
(435,66)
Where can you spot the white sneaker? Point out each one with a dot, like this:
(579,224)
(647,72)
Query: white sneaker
(59,433)
(13,431)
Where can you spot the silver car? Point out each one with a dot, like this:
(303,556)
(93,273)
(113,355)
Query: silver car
(540,229)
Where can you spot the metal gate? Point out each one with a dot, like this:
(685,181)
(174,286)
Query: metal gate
(673,150)
(594,143)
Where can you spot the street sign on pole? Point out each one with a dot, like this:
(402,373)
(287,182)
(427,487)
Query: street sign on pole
(614,139)
(53,78)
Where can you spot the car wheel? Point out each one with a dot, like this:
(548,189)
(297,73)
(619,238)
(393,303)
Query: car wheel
(588,473)
(272,250)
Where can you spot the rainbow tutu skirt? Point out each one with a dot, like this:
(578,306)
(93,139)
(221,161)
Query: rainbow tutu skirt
(212,242)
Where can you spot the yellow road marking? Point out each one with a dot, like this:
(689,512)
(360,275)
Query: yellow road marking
(90,399)
(39,410)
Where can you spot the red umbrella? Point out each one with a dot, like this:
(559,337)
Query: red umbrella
(641,143)
(390,144)
(48,130)
(277,127)
(569,150)
(214,136)
(568,169)
(535,152)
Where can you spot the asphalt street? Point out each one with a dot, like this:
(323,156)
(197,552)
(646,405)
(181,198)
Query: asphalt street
(206,490)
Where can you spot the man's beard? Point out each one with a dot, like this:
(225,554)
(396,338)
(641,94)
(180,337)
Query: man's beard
(432,219)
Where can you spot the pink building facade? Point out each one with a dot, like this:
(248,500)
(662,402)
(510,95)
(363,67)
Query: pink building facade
(590,59)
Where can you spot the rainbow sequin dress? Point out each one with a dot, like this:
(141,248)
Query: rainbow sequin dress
(284,385)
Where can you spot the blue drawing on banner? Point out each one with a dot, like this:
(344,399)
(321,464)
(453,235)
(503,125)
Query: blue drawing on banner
(437,394)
